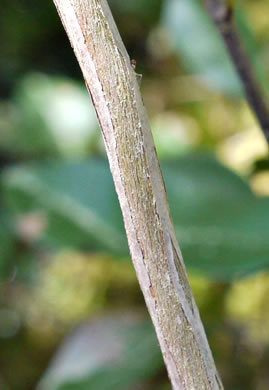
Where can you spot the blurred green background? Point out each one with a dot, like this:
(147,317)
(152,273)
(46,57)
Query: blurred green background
(71,313)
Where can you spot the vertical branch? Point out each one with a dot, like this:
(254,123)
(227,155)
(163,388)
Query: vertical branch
(111,81)
(223,16)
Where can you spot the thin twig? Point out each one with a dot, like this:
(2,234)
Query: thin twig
(223,16)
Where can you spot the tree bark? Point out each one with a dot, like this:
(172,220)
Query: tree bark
(115,93)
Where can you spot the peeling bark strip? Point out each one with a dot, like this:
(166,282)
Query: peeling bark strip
(112,84)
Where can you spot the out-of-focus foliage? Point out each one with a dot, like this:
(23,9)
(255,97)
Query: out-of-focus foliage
(63,252)
(130,369)
(49,116)
(121,342)
(223,234)
(79,202)
(72,286)
(251,311)
(205,56)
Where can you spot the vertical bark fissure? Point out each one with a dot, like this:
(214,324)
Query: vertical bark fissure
(135,168)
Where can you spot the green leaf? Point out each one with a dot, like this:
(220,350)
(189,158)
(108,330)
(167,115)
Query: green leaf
(221,226)
(140,360)
(195,39)
(115,351)
(79,200)
(49,116)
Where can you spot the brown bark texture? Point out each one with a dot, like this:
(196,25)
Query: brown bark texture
(155,252)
